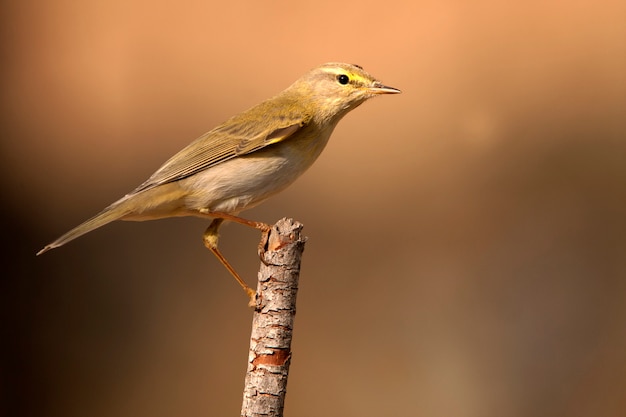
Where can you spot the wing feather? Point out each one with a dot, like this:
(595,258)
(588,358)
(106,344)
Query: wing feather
(240,135)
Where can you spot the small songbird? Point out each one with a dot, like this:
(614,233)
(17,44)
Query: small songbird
(247,159)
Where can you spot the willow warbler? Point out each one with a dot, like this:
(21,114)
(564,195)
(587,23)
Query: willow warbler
(247,159)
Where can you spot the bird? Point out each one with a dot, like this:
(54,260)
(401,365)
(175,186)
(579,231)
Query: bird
(245,160)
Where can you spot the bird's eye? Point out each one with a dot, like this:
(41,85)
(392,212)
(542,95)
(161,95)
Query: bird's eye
(343,79)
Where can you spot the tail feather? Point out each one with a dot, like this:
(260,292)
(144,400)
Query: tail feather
(109,214)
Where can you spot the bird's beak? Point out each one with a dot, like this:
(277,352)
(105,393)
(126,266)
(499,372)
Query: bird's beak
(378,88)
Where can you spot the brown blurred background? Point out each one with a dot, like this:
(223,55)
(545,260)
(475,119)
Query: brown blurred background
(467,239)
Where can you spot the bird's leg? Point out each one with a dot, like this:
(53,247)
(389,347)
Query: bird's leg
(263,227)
(210,238)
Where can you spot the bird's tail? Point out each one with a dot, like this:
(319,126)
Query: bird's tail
(114,212)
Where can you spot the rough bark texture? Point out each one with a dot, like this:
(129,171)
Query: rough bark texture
(272,325)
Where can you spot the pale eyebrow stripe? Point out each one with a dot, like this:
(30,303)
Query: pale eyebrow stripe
(352,75)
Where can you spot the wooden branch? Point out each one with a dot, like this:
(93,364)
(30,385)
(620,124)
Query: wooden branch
(272,324)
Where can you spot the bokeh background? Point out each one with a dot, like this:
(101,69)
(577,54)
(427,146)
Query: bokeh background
(467,239)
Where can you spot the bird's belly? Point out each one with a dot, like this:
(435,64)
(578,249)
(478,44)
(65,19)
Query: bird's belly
(244,182)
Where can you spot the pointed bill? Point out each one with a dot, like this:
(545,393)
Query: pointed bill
(378,88)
